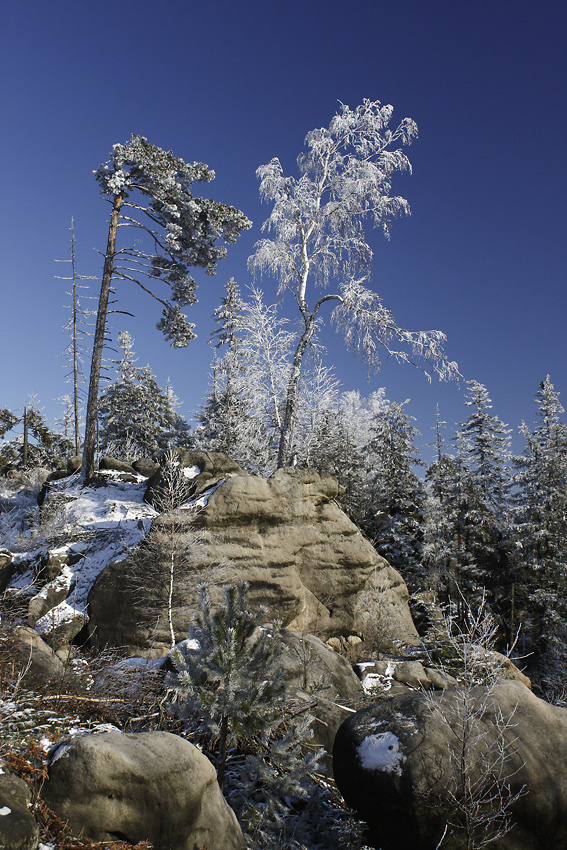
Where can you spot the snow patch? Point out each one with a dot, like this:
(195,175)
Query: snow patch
(5,811)
(382,752)
(191,471)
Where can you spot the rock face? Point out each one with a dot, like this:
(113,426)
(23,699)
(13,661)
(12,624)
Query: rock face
(391,764)
(301,555)
(18,827)
(149,786)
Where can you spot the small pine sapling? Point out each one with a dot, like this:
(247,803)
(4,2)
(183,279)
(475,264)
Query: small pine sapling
(228,675)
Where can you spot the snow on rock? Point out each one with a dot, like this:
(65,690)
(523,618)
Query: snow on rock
(382,752)
(115,517)
(5,811)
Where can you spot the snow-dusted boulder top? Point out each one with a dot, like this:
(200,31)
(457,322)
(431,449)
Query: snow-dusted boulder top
(302,556)
(202,470)
(397,763)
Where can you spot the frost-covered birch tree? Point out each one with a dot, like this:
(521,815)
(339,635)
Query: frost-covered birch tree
(151,193)
(318,237)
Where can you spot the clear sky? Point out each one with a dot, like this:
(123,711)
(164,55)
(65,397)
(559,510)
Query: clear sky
(482,257)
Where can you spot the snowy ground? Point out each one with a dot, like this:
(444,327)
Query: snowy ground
(100,523)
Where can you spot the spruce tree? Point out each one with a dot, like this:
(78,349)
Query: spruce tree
(395,515)
(136,416)
(483,516)
(541,537)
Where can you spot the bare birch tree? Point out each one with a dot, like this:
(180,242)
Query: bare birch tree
(318,226)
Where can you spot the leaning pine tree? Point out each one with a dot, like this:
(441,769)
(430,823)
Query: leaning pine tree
(151,191)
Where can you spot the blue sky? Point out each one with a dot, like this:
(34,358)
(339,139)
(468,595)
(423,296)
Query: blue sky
(234,84)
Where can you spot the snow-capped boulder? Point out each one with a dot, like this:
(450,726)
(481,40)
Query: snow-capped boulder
(50,595)
(396,764)
(147,786)
(113,464)
(18,827)
(145,466)
(289,539)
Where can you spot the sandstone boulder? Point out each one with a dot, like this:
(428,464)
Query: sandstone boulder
(33,657)
(50,595)
(74,464)
(397,764)
(148,786)
(6,568)
(145,466)
(321,678)
(18,827)
(114,465)
(301,555)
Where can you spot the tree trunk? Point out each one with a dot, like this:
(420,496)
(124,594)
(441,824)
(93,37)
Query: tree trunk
(26,439)
(290,414)
(223,739)
(88,465)
(75,347)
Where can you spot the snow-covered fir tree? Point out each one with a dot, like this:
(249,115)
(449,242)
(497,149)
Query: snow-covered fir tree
(541,538)
(136,417)
(395,513)
(483,515)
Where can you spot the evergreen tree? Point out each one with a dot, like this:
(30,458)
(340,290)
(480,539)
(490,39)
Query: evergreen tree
(541,533)
(228,684)
(152,191)
(395,517)
(225,413)
(483,514)
(136,417)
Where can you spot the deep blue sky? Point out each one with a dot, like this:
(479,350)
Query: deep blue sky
(234,84)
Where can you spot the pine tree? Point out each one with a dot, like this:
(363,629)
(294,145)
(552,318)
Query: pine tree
(152,191)
(231,682)
(227,684)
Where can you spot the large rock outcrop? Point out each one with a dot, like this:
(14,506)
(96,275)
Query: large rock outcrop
(289,539)
(148,786)
(398,763)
